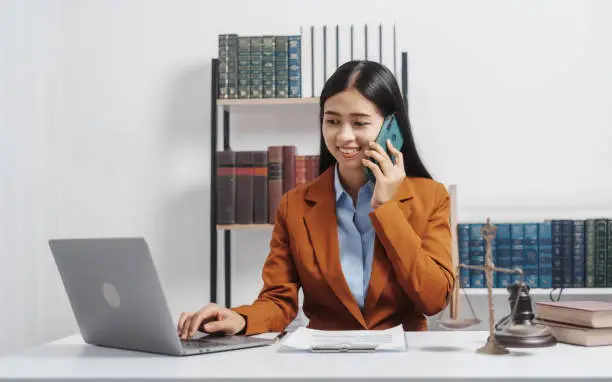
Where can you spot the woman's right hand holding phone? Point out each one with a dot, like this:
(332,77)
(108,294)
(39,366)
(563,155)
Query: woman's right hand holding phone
(212,318)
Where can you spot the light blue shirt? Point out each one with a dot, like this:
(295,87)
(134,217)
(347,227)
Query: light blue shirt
(355,237)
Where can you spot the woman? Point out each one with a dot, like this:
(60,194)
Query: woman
(367,255)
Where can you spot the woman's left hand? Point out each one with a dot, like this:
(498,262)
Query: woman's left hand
(388,175)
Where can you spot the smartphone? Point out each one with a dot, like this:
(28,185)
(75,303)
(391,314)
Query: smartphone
(389,130)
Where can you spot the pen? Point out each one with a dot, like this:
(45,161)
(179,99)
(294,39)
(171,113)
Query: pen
(281,335)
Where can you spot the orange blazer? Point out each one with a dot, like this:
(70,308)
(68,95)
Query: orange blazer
(412,274)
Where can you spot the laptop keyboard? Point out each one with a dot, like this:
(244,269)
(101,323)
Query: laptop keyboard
(199,344)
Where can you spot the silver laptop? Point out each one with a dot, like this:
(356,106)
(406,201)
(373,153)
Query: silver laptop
(118,301)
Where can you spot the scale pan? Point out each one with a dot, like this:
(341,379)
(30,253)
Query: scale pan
(460,323)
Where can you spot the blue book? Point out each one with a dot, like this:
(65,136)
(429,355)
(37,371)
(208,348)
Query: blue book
(477,256)
(557,267)
(579,266)
(567,252)
(295,66)
(503,258)
(464,254)
(531,259)
(545,249)
(494,275)
(517,233)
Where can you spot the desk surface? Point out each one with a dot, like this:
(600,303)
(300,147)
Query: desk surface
(439,355)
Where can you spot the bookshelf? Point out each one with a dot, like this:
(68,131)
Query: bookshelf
(540,291)
(222,109)
(229,103)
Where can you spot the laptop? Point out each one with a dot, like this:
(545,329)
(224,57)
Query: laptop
(118,301)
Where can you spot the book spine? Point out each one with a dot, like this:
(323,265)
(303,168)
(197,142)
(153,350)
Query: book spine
(228,66)
(275,180)
(226,187)
(256,67)
(557,266)
(477,256)
(531,258)
(590,253)
(312,167)
(567,245)
(494,275)
(545,250)
(244,187)
(609,254)
(601,228)
(269,90)
(288,167)
(281,66)
(260,187)
(504,254)
(300,170)
(517,232)
(244,66)
(463,234)
(578,269)
(295,66)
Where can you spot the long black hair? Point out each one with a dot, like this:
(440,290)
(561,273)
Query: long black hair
(376,83)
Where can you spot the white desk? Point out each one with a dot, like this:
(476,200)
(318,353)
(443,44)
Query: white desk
(432,355)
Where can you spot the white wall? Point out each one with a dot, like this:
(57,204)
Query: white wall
(105,126)
(32,88)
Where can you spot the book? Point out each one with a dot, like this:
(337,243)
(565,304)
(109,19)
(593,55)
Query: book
(226,187)
(601,252)
(477,256)
(504,254)
(244,66)
(256,67)
(275,180)
(464,254)
(590,253)
(530,255)
(578,335)
(545,254)
(281,66)
(289,152)
(578,259)
(295,69)
(592,314)
(517,248)
(244,187)
(260,187)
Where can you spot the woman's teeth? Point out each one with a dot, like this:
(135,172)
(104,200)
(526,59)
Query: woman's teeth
(348,151)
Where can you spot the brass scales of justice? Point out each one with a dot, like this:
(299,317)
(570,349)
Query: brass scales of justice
(514,330)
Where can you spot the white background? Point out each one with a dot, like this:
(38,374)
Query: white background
(104,126)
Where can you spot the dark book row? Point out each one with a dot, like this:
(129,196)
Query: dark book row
(250,184)
(560,253)
(259,66)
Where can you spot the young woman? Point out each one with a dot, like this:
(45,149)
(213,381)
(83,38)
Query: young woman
(368,255)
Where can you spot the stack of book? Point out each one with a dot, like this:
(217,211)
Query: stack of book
(586,323)
(250,184)
(298,65)
(259,67)
(557,253)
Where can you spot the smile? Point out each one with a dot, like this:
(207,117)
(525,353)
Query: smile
(349,152)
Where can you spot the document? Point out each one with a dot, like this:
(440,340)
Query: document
(345,340)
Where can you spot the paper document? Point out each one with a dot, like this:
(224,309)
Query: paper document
(346,340)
